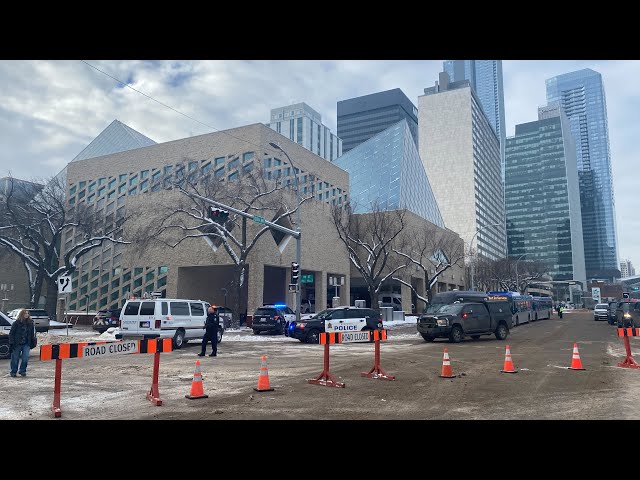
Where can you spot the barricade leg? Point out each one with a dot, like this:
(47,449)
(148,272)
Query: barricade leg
(154,395)
(629,362)
(325,378)
(377,371)
(55,407)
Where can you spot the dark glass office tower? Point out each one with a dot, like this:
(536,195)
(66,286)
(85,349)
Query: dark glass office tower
(361,118)
(581,95)
(542,198)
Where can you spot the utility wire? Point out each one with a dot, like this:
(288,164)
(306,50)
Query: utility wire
(169,107)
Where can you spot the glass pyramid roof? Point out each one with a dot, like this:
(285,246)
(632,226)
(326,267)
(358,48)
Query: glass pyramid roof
(387,169)
(117,137)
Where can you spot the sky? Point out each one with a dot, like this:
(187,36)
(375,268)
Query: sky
(50,110)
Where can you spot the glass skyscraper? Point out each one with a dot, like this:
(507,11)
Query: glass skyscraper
(387,170)
(542,198)
(485,76)
(361,118)
(581,95)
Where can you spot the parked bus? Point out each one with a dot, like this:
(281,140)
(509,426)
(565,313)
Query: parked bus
(542,307)
(521,306)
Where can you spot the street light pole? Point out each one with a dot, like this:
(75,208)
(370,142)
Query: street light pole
(517,278)
(298,245)
(473,266)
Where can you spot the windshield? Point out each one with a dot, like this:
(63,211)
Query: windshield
(450,309)
(324,315)
(602,306)
(434,307)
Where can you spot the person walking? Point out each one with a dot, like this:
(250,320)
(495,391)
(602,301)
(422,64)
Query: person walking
(22,338)
(560,310)
(211,332)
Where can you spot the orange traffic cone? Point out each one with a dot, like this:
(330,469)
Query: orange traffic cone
(576,363)
(508,363)
(263,379)
(196,385)
(447,371)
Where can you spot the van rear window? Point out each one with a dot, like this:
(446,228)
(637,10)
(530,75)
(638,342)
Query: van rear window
(132,308)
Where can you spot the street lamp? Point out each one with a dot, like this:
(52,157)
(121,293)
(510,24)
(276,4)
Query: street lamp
(298,246)
(473,266)
(517,280)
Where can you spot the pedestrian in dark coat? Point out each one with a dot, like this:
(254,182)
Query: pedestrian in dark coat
(211,332)
(22,338)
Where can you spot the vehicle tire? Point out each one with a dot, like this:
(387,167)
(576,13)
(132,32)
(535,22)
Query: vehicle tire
(4,349)
(256,332)
(517,321)
(178,339)
(219,336)
(427,338)
(501,332)
(536,318)
(475,337)
(456,334)
(313,336)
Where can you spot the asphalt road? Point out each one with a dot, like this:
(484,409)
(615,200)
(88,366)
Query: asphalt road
(544,388)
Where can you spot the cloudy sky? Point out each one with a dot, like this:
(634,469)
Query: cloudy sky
(50,110)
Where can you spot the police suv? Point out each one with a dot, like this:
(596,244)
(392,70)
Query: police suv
(339,319)
(181,320)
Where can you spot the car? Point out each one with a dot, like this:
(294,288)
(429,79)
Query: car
(601,311)
(272,318)
(106,319)
(308,331)
(393,300)
(40,318)
(176,318)
(612,312)
(628,314)
(5,327)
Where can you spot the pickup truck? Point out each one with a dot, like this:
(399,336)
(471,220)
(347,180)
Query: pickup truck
(456,320)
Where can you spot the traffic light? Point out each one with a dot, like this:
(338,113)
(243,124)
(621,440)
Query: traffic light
(295,272)
(219,215)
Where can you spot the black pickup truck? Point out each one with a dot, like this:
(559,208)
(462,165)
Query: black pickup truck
(456,320)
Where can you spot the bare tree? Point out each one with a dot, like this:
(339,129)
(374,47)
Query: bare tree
(433,251)
(369,238)
(189,216)
(32,224)
(516,276)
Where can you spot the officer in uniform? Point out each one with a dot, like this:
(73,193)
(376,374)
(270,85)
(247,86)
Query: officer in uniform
(211,332)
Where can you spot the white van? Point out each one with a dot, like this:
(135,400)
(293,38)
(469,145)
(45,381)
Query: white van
(391,300)
(179,319)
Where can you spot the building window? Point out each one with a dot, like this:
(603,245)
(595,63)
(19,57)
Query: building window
(133,191)
(111,185)
(247,168)
(206,168)
(133,180)
(219,172)
(168,169)
(219,161)
(291,129)
(122,188)
(144,184)
(246,156)
(193,166)
(162,270)
(233,164)
(276,162)
(72,190)
(144,174)
(122,178)
(233,176)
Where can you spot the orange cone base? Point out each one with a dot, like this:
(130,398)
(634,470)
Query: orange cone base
(263,389)
(509,371)
(447,376)
(629,362)
(194,397)
(326,380)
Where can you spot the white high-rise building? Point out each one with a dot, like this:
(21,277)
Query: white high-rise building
(302,124)
(461,154)
(626,269)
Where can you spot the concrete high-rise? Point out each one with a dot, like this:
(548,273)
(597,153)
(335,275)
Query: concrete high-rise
(626,269)
(485,76)
(461,154)
(581,95)
(302,124)
(542,197)
(364,117)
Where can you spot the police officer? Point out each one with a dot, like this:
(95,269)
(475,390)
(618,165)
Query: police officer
(211,332)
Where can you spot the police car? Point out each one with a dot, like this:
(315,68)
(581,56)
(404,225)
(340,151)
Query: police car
(350,318)
(273,318)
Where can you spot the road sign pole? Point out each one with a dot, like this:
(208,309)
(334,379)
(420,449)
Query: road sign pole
(55,407)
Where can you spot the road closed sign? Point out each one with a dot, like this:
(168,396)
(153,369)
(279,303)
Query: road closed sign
(106,349)
(354,337)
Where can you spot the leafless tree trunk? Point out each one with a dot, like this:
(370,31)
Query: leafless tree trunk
(369,238)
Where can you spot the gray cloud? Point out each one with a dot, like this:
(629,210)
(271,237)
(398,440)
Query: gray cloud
(50,110)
